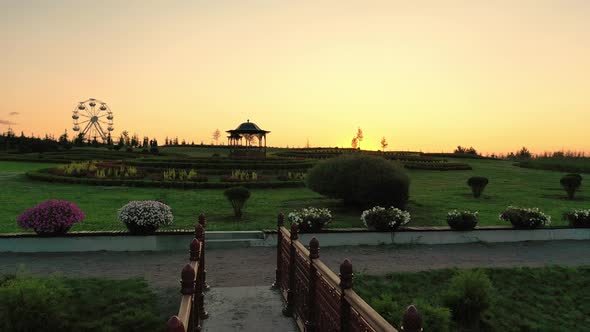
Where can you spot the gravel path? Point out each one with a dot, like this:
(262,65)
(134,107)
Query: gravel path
(255,266)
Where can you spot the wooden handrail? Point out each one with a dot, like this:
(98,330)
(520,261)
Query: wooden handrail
(191,310)
(184,312)
(328,274)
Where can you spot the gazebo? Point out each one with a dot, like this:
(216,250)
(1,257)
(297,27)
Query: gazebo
(247,141)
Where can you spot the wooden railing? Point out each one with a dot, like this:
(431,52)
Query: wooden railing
(318,299)
(193,282)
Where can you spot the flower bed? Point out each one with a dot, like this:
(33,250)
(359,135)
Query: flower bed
(52,217)
(382,219)
(525,218)
(578,218)
(145,217)
(310,219)
(462,220)
(44,175)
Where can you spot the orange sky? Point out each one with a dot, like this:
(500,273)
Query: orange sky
(427,75)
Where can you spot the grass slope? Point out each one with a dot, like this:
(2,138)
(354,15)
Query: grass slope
(526,299)
(432,194)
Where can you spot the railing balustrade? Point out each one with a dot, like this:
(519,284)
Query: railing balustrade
(318,299)
(192,285)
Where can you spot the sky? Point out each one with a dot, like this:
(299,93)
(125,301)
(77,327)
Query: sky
(427,75)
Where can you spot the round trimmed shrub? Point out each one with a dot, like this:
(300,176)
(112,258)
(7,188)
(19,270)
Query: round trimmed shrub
(462,220)
(361,180)
(578,218)
(571,183)
(477,184)
(525,218)
(381,219)
(310,219)
(237,196)
(145,217)
(469,295)
(52,217)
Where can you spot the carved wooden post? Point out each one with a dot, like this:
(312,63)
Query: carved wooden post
(412,320)
(202,222)
(280,223)
(314,253)
(200,296)
(345,283)
(288,310)
(174,325)
(197,303)
(187,286)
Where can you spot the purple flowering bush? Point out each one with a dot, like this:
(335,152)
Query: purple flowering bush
(51,217)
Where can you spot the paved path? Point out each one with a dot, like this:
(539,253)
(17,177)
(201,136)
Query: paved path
(252,270)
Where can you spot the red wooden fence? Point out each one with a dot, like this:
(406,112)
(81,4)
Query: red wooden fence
(318,299)
(192,285)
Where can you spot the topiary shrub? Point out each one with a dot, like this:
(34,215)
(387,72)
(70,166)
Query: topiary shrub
(525,218)
(237,196)
(462,220)
(361,180)
(52,217)
(381,219)
(477,184)
(469,295)
(310,219)
(145,217)
(578,218)
(571,183)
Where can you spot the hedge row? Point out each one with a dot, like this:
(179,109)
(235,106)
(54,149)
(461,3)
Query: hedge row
(555,165)
(437,166)
(226,166)
(42,175)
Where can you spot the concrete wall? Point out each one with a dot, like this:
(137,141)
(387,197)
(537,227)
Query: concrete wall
(163,242)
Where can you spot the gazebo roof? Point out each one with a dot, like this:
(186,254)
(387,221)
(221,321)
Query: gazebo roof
(248,128)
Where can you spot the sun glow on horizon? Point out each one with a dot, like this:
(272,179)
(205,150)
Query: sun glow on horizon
(427,76)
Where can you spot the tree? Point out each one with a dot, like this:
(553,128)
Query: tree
(523,153)
(125,137)
(359,137)
(354,143)
(154,146)
(384,144)
(216,136)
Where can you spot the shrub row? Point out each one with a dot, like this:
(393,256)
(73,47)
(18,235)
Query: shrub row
(44,176)
(448,166)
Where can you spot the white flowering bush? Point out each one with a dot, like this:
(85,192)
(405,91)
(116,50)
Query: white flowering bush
(462,220)
(382,219)
(145,216)
(525,218)
(578,218)
(310,219)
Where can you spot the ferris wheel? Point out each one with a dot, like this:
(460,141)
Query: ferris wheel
(93,119)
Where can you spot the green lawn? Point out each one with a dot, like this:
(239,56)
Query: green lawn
(525,299)
(75,304)
(433,193)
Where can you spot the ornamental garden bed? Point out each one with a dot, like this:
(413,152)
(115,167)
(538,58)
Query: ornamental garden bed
(149,179)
